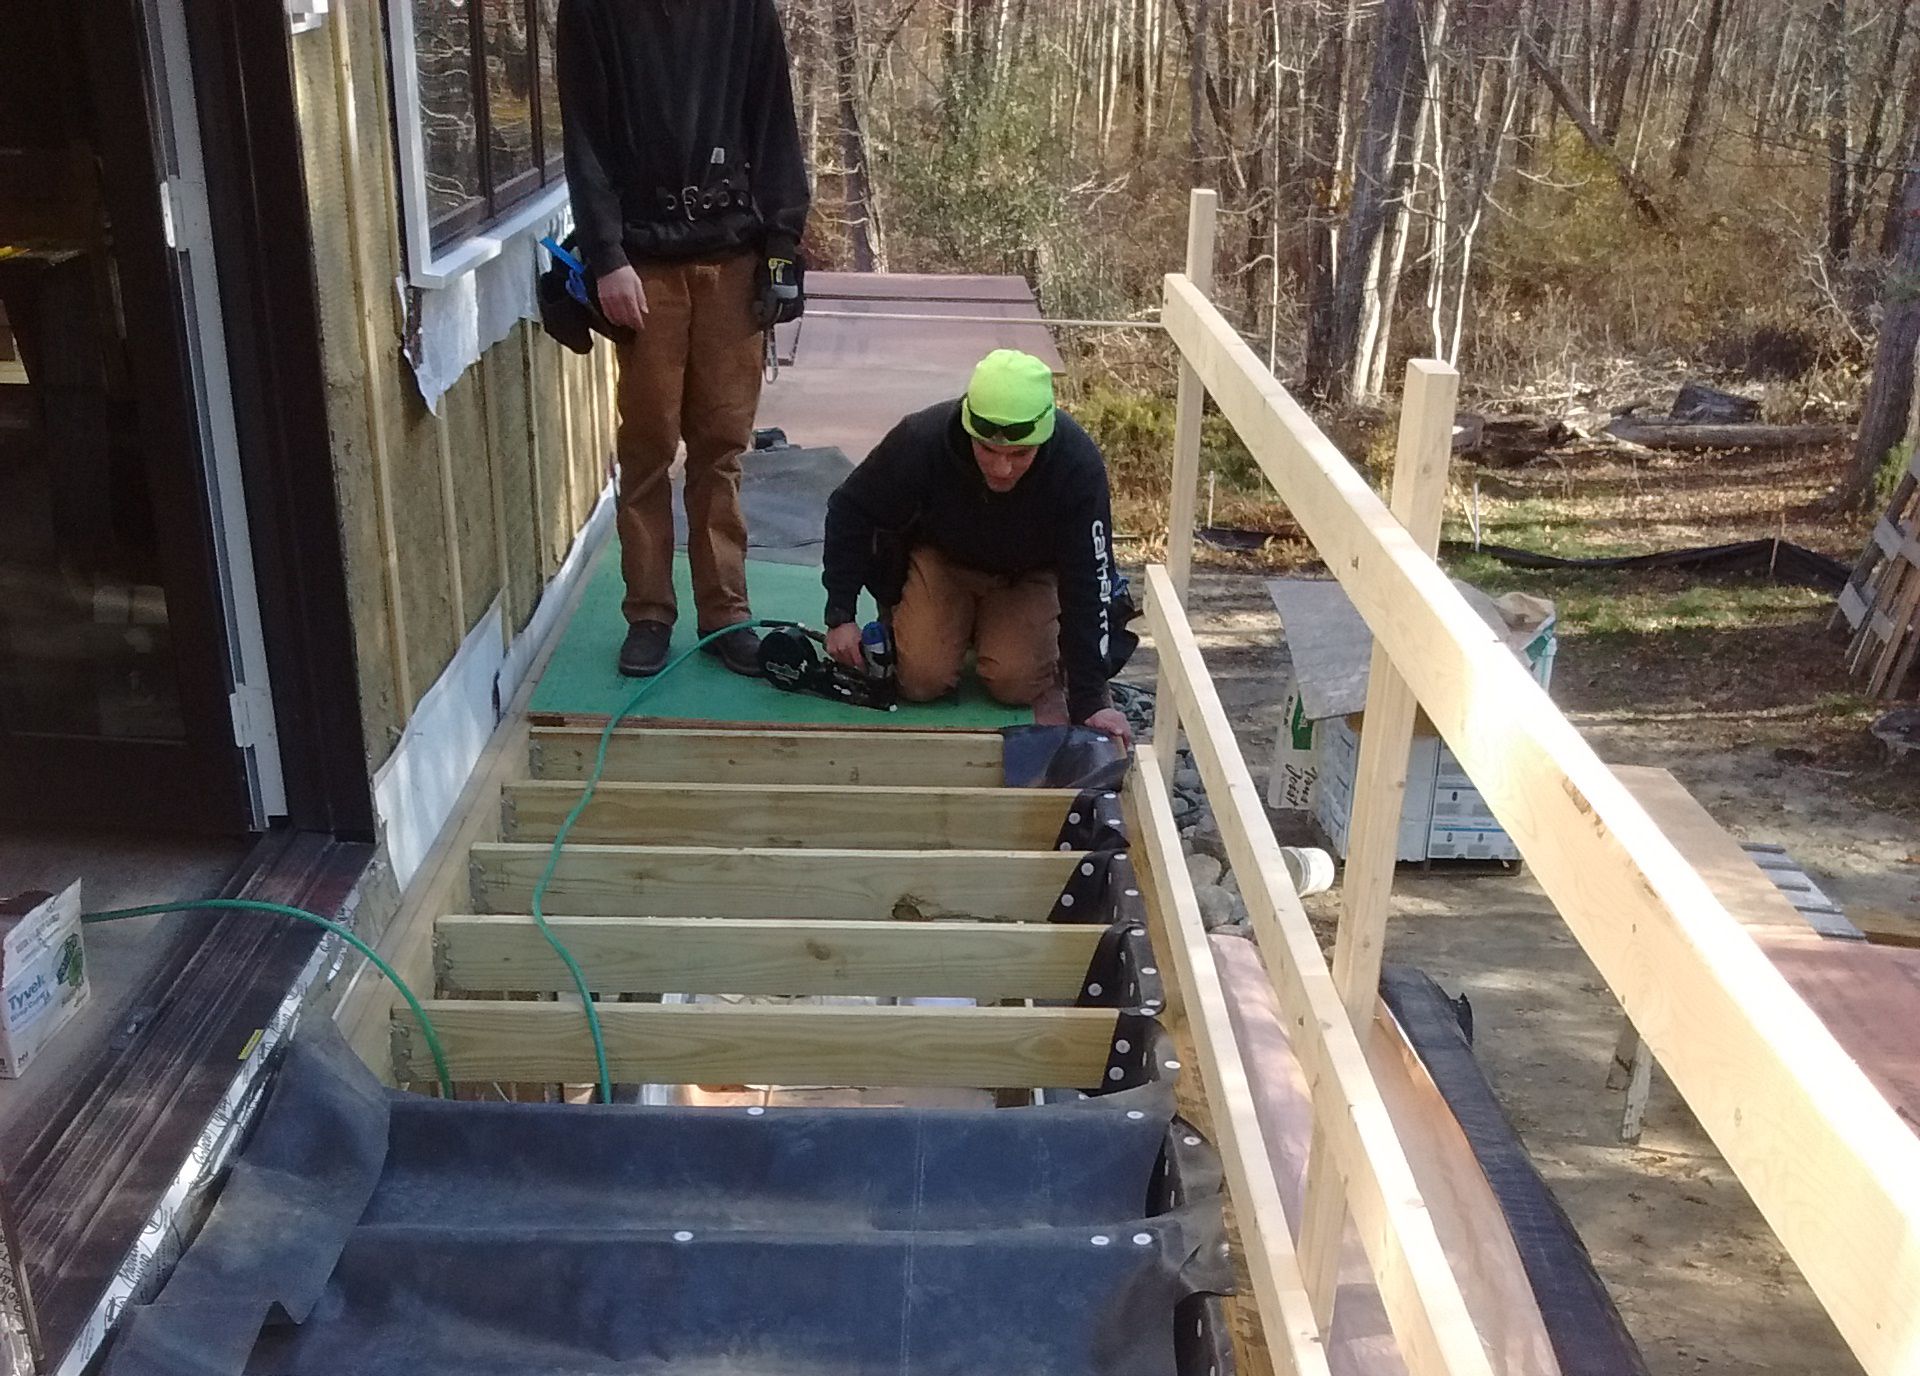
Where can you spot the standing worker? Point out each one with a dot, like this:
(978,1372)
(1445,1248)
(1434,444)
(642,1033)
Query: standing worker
(985,523)
(689,198)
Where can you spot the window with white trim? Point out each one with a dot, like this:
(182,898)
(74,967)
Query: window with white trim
(488,109)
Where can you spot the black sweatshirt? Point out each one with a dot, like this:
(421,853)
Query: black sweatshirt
(922,486)
(662,98)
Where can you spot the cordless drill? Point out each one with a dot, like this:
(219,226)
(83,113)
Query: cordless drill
(793,658)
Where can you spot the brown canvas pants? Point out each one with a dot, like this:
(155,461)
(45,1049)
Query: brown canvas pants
(1012,623)
(693,373)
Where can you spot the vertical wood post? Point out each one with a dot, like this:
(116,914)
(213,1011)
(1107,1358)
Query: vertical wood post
(1379,796)
(370,381)
(1166,708)
(1190,400)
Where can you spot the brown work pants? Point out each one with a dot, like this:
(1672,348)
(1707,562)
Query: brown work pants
(1012,623)
(693,373)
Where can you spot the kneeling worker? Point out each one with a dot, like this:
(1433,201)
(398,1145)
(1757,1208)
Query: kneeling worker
(984,522)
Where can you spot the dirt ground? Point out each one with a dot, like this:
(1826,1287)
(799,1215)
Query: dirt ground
(1744,717)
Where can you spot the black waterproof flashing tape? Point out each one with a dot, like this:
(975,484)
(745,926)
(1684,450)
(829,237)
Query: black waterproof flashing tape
(1588,1336)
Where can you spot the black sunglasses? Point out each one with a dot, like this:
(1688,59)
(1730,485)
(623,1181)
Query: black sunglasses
(1008,431)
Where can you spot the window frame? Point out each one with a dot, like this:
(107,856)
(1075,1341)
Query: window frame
(481,234)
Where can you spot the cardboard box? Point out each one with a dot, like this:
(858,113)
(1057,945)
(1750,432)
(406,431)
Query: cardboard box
(1316,758)
(43,973)
(1295,772)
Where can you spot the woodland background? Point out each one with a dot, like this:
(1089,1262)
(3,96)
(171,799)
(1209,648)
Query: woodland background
(1572,200)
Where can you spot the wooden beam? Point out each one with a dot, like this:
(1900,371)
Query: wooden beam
(1422,1299)
(1286,1312)
(882,818)
(373,360)
(974,1048)
(450,512)
(698,881)
(1190,400)
(1379,797)
(929,759)
(699,955)
(1830,1165)
(496,499)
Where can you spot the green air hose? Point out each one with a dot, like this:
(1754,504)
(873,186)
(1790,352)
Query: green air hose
(539,894)
(255,906)
(560,840)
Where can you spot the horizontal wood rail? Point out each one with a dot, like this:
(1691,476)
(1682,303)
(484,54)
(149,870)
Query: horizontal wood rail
(1431,1324)
(1828,1162)
(702,955)
(700,881)
(971,1048)
(875,817)
(927,759)
(1279,1292)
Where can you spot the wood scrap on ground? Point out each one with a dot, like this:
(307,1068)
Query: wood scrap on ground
(1881,602)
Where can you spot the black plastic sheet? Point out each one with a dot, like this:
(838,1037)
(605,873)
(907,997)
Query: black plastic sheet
(375,1233)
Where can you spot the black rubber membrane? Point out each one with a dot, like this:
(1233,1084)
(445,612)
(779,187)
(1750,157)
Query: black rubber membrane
(1588,1335)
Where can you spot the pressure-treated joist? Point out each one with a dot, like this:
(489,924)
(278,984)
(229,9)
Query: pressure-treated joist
(929,759)
(698,955)
(699,881)
(980,1048)
(719,814)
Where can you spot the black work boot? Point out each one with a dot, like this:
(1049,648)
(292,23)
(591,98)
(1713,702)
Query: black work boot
(738,650)
(644,652)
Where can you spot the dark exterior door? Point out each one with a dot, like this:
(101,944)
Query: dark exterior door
(114,666)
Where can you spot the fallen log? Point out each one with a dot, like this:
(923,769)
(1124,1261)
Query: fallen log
(1668,434)
(1699,404)
(1507,441)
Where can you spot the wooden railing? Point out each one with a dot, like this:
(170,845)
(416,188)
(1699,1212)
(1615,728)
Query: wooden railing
(1829,1163)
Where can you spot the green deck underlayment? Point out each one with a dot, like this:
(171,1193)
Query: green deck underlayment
(581,679)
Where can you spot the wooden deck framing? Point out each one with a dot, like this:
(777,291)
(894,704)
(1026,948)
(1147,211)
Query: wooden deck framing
(896,864)
(1829,1163)
(870,864)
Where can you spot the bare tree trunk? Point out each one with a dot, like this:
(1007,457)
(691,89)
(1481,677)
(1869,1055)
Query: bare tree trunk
(1594,42)
(1485,174)
(1197,93)
(1374,184)
(1439,228)
(1833,89)
(1078,77)
(1637,191)
(863,224)
(1883,416)
(1383,289)
(1897,184)
(1623,42)
(1326,89)
(979,45)
(1866,166)
(802,36)
(1769,101)
(1683,148)
(1643,90)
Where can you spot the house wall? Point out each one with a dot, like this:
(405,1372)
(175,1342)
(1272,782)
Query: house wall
(443,513)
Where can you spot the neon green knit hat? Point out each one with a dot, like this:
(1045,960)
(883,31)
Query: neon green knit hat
(1010,400)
